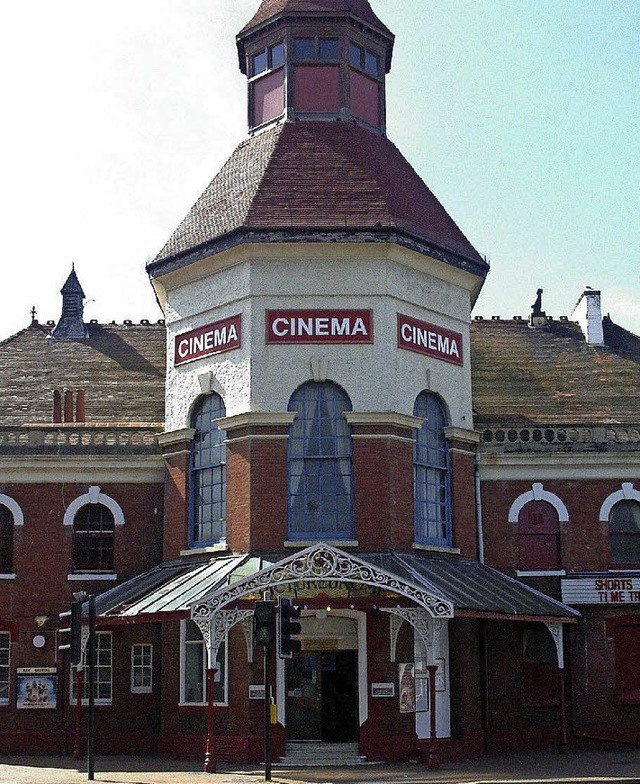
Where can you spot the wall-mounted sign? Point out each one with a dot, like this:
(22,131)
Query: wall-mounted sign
(213,338)
(37,688)
(383,690)
(601,590)
(319,326)
(429,339)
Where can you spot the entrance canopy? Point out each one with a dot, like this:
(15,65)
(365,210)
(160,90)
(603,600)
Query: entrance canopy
(444,585)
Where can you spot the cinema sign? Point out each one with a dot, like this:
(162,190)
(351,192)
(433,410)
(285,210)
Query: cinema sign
(319,326)
(214,338)
(429,339)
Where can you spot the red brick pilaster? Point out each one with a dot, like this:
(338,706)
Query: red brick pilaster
(462,449)
(176,448)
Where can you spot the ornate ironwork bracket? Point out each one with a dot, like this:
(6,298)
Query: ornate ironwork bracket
(556,632)
(214,630)
(427,628)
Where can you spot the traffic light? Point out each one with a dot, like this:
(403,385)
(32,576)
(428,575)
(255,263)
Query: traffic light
(264,623)
(70,632)
(288,626)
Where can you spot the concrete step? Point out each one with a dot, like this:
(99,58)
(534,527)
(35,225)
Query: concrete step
(309,754)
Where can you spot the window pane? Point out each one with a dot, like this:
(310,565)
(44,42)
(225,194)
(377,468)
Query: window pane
(93,538)
(6,540)
(259,63)
(4,667)
(432,507)
(372,64)
(329,49)
(320,494)
(208,474)
(303,48)
(355,55)
(277,55)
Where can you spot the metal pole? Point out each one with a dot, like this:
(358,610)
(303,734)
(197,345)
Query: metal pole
(77,753)
(91,656)
(267,712)
(209,759)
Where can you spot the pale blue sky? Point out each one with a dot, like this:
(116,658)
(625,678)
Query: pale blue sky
(523,117)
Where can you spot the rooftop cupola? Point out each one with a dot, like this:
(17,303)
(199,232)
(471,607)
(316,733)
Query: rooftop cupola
(71,325)
(316,60)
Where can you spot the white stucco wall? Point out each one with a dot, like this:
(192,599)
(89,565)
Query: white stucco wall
(378,377)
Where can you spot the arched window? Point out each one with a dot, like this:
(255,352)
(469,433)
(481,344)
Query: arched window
(431,475)
(93,538)
(6,540)
(208,474)
(624,533)
(319,461)
(538,537)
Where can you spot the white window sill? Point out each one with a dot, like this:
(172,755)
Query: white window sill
(435,548)
(223,547)
(7,577)
(340,543)
(92,576)
(541,573)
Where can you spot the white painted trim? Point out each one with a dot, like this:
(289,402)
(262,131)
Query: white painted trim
(627,493)
(92,576)
(541,573)
(143,469)
(538,493)
(13,507)
(94,496)
(547,466)
(8,576)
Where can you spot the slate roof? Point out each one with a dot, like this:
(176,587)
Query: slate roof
(549,375)
(306,177)
(121,368)
(357,8)
(473,588)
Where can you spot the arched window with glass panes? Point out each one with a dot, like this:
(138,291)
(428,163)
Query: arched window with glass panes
(6,540)
(624,533)
(431,473)
(93,538)
(208,474)
(320,463)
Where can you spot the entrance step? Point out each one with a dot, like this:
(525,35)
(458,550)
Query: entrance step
(310,754)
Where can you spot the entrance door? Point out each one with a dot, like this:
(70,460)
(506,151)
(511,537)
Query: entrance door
(322,697)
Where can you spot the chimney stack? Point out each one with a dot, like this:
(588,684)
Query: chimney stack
(588,313)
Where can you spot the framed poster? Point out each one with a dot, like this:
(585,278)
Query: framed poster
(441,675)
(37,691)
(422,693)
(407,687)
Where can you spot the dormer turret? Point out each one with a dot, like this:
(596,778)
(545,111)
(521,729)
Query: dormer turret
(71,325)
(316,60)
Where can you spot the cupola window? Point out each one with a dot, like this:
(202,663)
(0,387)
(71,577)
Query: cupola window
(268,59)
(316,49)
(364,60)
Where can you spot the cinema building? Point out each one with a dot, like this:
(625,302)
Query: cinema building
(453,502)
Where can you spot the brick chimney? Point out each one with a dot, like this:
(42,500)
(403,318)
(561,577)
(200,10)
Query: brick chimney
(588,313)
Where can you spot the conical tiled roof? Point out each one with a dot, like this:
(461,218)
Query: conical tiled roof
(300,177)
(357,8)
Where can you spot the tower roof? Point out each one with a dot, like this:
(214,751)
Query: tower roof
(359,9)
(295,179)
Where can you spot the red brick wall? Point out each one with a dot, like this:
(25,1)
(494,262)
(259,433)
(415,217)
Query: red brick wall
(176,507)
(463,500)
(583,540)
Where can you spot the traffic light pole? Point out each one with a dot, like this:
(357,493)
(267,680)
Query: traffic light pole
(91,656)
(267,712)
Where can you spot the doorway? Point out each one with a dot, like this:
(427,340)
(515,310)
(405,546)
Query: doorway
(322,696)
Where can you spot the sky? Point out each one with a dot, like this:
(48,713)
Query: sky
(522,116)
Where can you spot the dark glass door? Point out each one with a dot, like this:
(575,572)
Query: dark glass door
(322,697)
